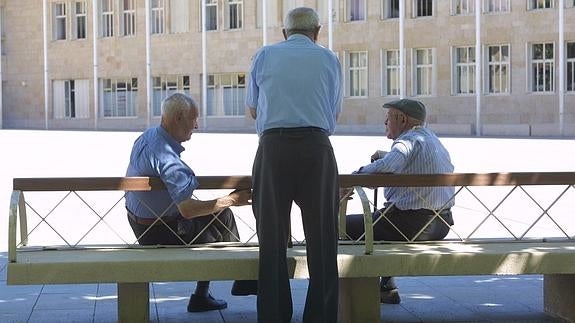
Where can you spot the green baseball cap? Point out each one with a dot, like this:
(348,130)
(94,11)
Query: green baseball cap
(412,108)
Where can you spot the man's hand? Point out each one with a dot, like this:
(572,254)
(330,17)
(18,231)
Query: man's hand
(378,154)
(241,197)
(345,193)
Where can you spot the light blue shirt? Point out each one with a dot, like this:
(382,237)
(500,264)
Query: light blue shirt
(416,151)
(295,83)
(156,153)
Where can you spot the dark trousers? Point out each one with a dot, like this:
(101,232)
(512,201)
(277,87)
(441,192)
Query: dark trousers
(296,166)
(409,222)
(222,229)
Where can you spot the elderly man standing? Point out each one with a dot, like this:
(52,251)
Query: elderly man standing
(415,150)
(173,216)
(294,93)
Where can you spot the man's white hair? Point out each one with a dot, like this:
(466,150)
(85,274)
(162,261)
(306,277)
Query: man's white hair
(177,102)
(301,19)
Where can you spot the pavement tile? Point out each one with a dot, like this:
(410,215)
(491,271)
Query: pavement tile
(62,316)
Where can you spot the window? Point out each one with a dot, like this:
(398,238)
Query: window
(157,17)
(211,14)
(59,21)
(165,86)
(71,99)
(390,9)
(355,10)
(570,3)
(423,71)
(128,22)
(463,7)
(356,76)
(498,67)
(226,94)
(542,67)
(179,16)
(234,15)
(390,72)
(496,6)
(423,8)
(540,4)
(80,20)
(464,70)
(570,58)
(119,97)
(106,18)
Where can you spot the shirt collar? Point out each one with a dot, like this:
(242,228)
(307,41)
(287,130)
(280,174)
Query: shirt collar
(176,146)
(299,36)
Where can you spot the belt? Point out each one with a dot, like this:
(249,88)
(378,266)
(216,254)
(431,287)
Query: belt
(294,130)
(150,221)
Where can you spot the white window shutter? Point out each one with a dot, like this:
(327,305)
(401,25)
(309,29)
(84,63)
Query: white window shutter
(58,99)
(82,98)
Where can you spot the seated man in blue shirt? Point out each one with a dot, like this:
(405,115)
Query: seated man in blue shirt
(410,212)
(184,219)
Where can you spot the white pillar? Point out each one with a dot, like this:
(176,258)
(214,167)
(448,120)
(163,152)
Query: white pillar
(46,85)
(478,56)
(402,69)
(148,67)
(95,61)
(561,67)
(204,68)
(264,22)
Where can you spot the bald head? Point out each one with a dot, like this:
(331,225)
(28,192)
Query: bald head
(179,116)
(302,20)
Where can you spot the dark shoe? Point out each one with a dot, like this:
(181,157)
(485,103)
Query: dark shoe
(205,303)
(245,287)
(390,296)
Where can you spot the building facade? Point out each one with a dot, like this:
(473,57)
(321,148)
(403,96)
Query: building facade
(482,67)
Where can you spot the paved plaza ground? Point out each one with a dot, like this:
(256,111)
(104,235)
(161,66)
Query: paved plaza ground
(424,299)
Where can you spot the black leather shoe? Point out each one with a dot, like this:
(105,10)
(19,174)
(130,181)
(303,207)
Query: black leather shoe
(390,296)
(245,287)
(205,303)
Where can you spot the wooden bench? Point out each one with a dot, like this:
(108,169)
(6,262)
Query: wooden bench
(360,264)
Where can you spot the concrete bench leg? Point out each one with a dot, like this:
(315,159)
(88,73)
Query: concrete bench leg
(559,296)
(359,300)
(133,302)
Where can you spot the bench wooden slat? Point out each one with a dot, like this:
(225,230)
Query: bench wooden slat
(244,181)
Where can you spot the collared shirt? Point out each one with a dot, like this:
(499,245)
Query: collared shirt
(416,151)
(295,83)
(156,153)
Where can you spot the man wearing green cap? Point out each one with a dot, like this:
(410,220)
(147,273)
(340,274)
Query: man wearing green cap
(415,150)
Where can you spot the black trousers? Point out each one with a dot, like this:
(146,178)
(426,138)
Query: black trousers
(296,165)
(222,229)
(409,222)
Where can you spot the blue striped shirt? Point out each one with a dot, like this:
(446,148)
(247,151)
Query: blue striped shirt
(295,83)
(416,151)
(156,153)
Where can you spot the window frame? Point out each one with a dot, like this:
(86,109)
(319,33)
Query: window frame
(462,7)
(533,64)
(416,67)
(570,64)
(239,18)
(461,86)
(217,86)
(211,5)
(430,5)
(496,6)
(106,18)
(359,73)
(59,19)
(540,4)
(128,19)
(131,89)
(390,71)
(80,21)
(355,5)
(502,64)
